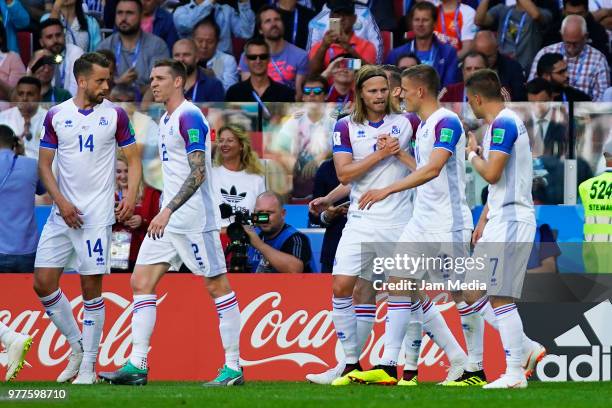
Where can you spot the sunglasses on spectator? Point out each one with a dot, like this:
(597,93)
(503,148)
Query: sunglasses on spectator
(253,57)
(315,90)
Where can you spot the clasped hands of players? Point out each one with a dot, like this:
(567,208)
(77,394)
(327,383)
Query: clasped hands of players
(388,146)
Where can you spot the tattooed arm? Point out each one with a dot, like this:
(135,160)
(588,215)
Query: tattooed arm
(197,162)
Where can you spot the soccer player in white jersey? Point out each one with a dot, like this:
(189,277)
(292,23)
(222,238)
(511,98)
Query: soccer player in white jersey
(186,230)
(361,163)
(84,131)
(441,215)
(506,228)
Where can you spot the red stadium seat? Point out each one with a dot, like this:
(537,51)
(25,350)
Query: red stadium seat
(387,37)
(257,143)
(25,40)
(238,46)
(398,7)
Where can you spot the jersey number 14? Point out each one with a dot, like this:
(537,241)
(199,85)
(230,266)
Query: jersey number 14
(87,144)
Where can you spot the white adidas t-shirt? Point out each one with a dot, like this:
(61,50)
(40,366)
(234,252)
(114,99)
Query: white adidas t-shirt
(236,188)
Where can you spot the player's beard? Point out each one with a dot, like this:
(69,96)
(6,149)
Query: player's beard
(95,98)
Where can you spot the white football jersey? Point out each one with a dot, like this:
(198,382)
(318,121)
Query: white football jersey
(86,142)
(510,198)
(184,131)
(440,204)
(360,141)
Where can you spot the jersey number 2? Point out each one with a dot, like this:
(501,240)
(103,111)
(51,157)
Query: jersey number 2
(89,144)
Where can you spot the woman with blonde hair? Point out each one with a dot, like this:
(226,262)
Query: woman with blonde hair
(238,175)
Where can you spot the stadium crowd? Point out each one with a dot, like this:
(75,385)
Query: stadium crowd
(307,51)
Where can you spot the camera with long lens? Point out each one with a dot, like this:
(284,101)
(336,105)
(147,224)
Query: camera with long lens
(239,239)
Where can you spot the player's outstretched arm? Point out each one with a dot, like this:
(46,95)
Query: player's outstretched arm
(430,171)
(125,210)
(320,204)
(197,162)
(68,211)
(482,221)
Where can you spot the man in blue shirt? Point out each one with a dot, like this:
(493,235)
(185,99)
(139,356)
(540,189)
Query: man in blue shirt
(442,57)
(18,184)
(14,17)
(199,86)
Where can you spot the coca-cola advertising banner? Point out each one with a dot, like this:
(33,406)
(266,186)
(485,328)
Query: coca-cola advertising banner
(287,329)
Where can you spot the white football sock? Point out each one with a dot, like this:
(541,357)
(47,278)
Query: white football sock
(472,324)
(436,327)
(6,335)
(483,306)
(93,323)
(343,316)
(365,315)
(59,311)
(413,338)
(398,317)
(229,328)
(511,333)
(143,322)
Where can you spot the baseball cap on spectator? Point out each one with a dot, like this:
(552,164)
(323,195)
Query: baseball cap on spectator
(342,7)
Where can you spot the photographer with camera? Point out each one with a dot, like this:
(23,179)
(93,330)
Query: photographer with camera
(19,183)
(273,246)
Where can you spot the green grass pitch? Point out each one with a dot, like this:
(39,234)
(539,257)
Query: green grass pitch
(292,394)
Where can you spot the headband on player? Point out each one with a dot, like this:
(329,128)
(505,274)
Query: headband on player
(369,76)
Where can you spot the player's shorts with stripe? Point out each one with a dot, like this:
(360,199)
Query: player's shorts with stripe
(503,250)
(433,256)
(201,252)
(359,245)
(87,250)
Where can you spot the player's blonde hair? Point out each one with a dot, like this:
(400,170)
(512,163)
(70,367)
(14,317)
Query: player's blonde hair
(249,161)
(366,72)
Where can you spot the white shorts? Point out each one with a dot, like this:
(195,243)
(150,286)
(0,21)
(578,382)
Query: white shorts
(201,252)
(441,254)
(353,258)
(504,249)
(86,249)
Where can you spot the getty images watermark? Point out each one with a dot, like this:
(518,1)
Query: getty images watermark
(437,273)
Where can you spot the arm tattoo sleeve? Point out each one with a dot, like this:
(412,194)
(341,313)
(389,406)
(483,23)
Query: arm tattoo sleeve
(197,162)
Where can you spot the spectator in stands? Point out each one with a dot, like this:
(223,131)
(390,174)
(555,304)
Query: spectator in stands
(156,20)
(206,36)
(407,60)
(81,30)
(472,62)
(238,23)
(19,184)
(427,47)
(110,56)
(553,68)
(52,38)
(135,51)
(365,27)
(344,42)
(598,37)
(277,246)
(509,71)
(259,87)
(11,67)
(295,18)
(306,137)
(237,174)
(520,28)
(547,136)
(36,9)
(333,219)
(602,13)
(288,64)
(588,68)
(456,25)
(128,235)
(14,18)
(394,77)
(343,82)
(199,87)
(26,119)
(42,67)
